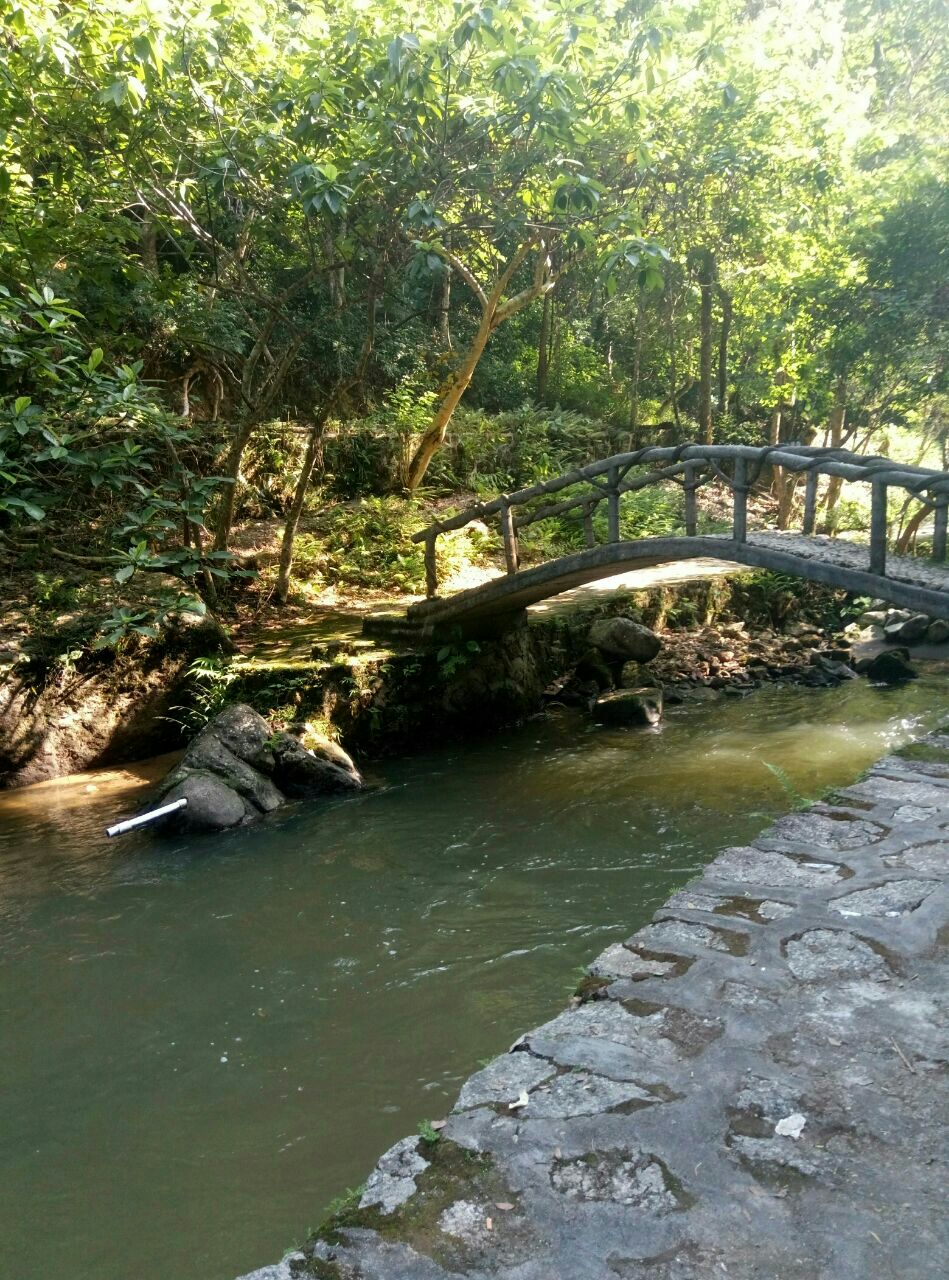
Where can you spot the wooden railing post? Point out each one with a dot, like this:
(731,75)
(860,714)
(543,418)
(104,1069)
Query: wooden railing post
(878,528)
(431,565)
(691,508)
(510,538)
(939,530)
(589,533)
(740,493)
(612,503)
(810,502)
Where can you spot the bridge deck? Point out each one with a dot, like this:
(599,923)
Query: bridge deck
(909,583)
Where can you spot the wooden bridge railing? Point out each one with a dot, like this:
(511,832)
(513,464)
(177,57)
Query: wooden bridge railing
(691,466)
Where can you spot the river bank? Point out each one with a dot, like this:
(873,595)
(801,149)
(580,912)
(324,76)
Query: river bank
(720,632)
(749,1085)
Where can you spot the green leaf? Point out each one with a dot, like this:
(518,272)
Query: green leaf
(114,93)
(95,358)
(123,574)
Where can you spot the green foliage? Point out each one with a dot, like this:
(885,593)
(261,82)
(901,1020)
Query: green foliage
(796,799)
(491,452)
(368,544)
(652,512)
(148,621)
(220,220)
(208,684)
(849,515)
(456,654)
(51,591)
(427,1133)
(84,443)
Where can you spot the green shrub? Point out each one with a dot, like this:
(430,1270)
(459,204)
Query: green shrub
(369,544)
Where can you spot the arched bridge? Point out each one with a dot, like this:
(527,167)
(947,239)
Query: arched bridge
(864,568)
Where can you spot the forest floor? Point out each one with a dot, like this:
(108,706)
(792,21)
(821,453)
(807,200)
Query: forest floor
(52,607)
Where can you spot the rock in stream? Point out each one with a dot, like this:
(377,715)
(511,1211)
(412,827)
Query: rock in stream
(236,770)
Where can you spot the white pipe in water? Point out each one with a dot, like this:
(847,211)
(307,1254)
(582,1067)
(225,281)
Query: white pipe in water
(130,824)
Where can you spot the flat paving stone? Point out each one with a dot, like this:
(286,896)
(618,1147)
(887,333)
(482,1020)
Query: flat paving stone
(618,961)
(824,832)
(671,935)
(774,1109)
(580,1093)
(504,1079)
(827,953)
(637,1180)
(933,857)
(392,1181)
(895,898)
(747,864)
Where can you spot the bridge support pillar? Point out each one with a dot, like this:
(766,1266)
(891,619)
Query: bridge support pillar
(613,503)
(939,532)
(431,566)
(878,528)
(740,494)
(691,509)
(810,502)
(511,558)
(589,533)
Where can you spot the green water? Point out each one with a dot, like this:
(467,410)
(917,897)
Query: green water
(202,1044)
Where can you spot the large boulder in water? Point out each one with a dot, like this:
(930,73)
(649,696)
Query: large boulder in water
(629,706)
(890,667)
(245,733)
(622,638)
(212,805)
(303,773)
(236,770)
(209,754)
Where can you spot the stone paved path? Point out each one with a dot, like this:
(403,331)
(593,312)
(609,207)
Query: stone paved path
(854,555)
(753,1087)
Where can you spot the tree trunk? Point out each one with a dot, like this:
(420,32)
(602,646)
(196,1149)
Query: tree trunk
(434,437)
(673,399)
(149,245)
(786,500)
(444,311)
(706,281)
(312,458)
(723,336)
(774,437)
(543,349)
(232,471)
(494,311)
(636,372)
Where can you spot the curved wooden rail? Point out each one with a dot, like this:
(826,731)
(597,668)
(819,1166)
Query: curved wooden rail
(691,466)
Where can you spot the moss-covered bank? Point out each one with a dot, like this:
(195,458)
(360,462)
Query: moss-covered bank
(376,697)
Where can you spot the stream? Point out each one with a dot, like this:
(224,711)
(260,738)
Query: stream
(203,1043)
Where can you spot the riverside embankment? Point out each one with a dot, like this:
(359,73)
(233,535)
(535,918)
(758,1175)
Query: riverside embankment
(63,709)
(752,1085)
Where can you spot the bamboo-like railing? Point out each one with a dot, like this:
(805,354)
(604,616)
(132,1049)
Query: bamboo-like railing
(693,465)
